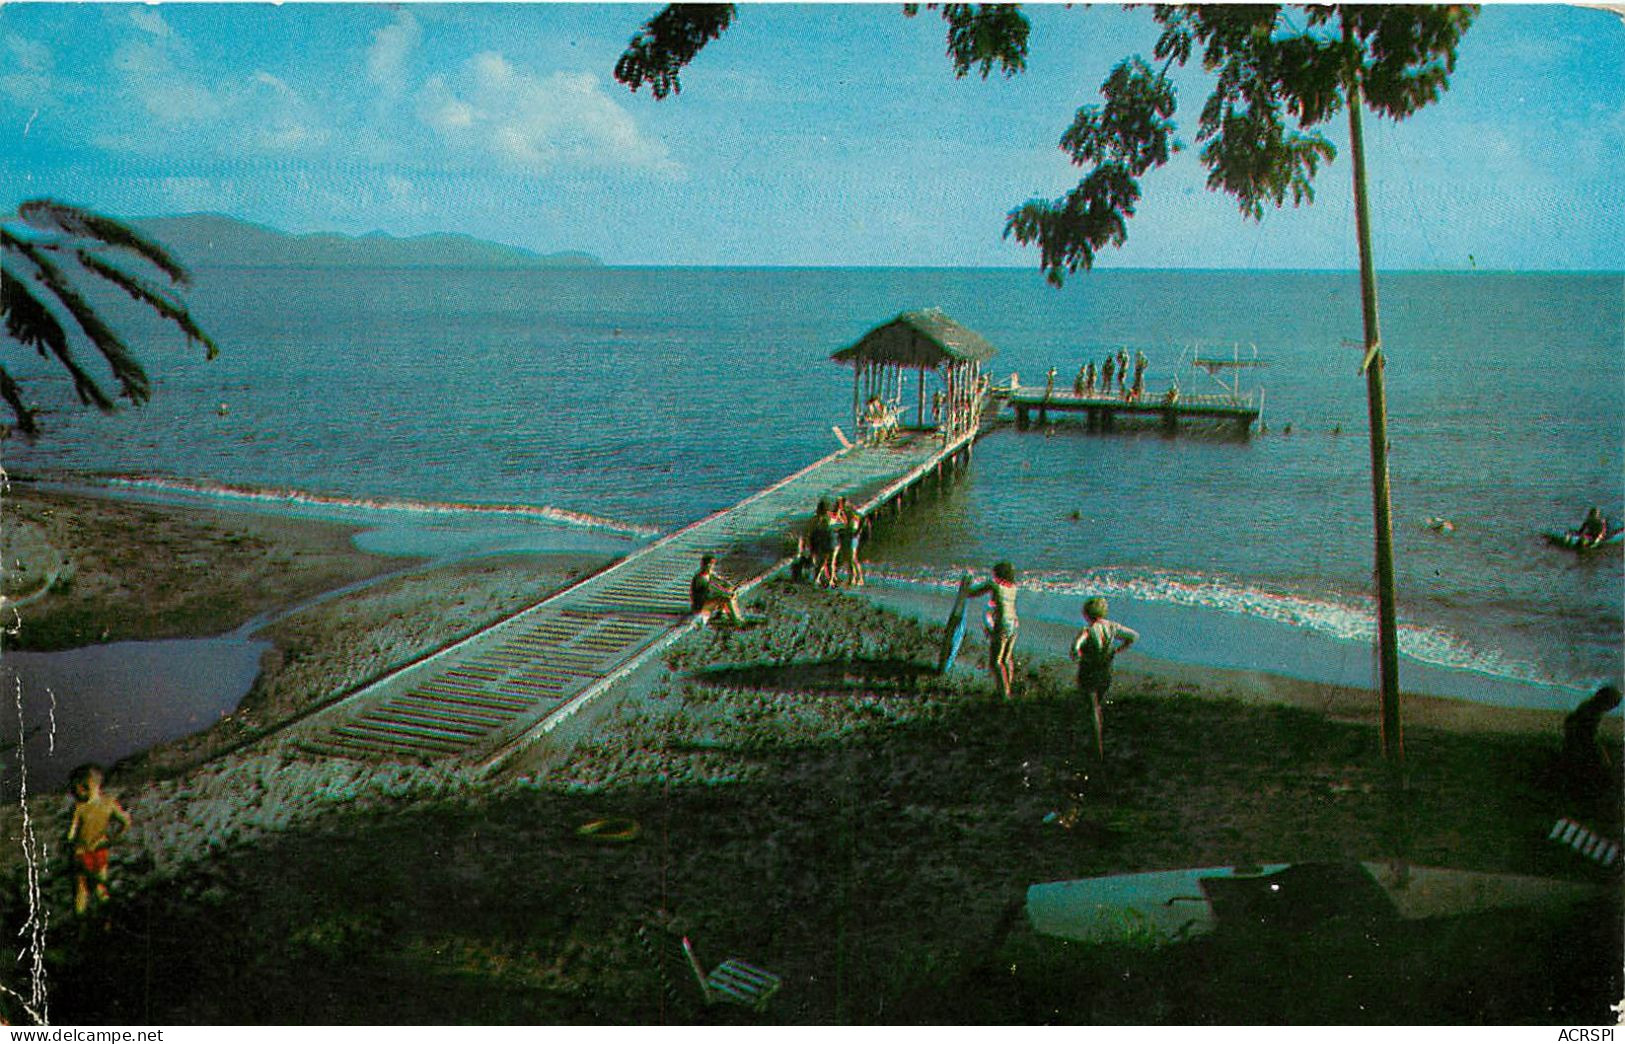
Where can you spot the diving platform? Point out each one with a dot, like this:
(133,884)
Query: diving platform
(1101,411)
(1206,387)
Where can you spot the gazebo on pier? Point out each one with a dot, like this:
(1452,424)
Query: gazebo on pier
(925,341)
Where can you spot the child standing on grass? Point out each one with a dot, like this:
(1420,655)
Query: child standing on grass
(1096,647)
(90,832)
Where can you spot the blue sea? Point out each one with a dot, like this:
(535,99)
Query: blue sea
(618,403)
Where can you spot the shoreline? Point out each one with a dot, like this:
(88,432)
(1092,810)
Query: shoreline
(810,771)
(338,614)
(333,614)
(813,775)
(1048,641)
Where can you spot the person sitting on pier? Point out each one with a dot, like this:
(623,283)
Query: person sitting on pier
(707,593)
(1002,624)
(1594,528)
(879,421)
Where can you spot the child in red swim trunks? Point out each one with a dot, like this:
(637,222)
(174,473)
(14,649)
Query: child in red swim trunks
(90,832)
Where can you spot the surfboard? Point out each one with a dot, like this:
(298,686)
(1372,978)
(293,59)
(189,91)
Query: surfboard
(1571,540)
(954,636)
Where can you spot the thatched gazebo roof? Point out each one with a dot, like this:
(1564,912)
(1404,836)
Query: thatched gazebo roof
(921,340)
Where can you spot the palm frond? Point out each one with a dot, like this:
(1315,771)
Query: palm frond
(142,291)
(12,394)
(28,321)
(131,377)
(49,215)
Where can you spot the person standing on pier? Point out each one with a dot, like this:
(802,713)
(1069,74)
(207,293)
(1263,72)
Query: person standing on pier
(1001,647)
(1107,368)
(1122,369)
(1138,389)
(1077,382)
(848,532)
(1089,379)
(1097,645)
(821,542)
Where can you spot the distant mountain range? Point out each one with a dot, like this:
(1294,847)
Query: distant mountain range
(214,240)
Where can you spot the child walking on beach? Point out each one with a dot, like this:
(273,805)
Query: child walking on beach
(1096,647)
(90,833)
(1001,643)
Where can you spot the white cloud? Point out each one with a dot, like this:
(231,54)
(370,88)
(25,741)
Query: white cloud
(276,83)
(190,194)
(180,102)
(441,110)
(33,82)
(403,196)
(152,75)
(150,21)
(273,117)
(391,46)
(539,122)
(282,138)
(29,55)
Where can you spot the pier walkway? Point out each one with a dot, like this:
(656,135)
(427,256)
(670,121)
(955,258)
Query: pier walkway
(492,694)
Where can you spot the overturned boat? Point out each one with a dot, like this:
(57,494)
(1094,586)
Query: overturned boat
(1171,905)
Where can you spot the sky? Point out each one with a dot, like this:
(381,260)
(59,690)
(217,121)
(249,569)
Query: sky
(809,134)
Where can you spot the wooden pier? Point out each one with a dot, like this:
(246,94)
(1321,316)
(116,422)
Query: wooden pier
(490,696)
(484,699)
(1101,411)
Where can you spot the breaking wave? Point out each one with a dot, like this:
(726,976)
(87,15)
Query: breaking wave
(284,495)
(1348,621)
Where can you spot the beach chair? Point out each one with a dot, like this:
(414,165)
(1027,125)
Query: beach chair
(733,981)
(1592,846)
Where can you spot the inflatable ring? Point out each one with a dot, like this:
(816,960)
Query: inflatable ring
(616,828)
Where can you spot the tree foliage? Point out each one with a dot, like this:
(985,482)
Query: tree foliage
(979,36)
(45,250)
(983,35)
(668,42)
(1279,72)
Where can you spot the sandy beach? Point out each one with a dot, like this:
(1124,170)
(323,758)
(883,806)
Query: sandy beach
(809,795)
